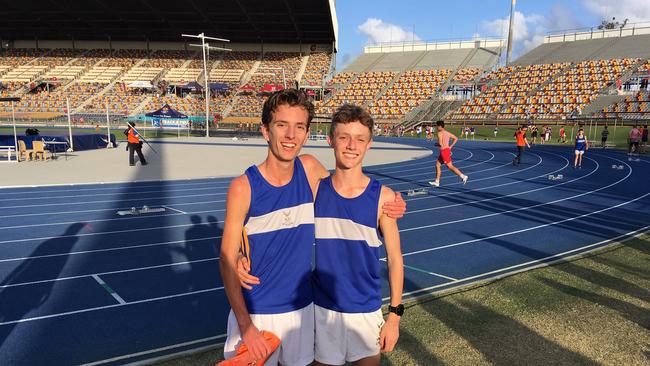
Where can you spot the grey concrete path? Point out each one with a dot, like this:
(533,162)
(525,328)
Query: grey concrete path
(183,158)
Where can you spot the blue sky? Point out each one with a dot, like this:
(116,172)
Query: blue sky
(363,21)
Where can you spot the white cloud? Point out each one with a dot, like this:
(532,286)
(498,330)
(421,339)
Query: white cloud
(634,10)
(527,33)
(379,31)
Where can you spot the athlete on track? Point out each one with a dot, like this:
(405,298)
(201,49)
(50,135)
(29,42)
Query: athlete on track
(445,154)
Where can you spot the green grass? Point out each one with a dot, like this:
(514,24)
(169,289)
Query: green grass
(617,136)
(591,310)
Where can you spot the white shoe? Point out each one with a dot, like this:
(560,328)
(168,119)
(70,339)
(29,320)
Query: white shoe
(435,183)
(464,178)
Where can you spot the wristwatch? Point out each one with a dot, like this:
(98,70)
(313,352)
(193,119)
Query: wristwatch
(398,310)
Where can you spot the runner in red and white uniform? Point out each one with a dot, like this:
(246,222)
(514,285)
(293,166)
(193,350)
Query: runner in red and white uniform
(445,154)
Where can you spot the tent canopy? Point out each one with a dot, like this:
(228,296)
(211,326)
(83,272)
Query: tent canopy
(218,86)
(193,85)
(166,112)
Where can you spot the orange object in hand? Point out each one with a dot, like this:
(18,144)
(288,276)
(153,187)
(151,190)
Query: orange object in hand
(243,358)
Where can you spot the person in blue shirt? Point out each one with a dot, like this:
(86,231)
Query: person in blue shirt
(270,220)
(581,146)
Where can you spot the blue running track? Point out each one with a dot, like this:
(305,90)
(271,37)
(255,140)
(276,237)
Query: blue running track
(80,284)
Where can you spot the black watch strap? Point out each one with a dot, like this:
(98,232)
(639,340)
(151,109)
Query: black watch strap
(398,310)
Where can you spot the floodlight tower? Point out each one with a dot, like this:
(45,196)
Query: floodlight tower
(204,48)
(512,22)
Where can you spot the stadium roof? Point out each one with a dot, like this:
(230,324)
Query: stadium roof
(270,21)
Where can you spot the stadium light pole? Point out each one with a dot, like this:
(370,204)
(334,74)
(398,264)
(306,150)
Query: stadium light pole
(204,46)
(512,22)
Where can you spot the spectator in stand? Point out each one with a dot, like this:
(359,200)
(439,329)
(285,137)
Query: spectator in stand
(603,137)
(634,138)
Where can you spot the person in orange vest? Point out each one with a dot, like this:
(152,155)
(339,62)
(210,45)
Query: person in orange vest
(522,142)
(134,144)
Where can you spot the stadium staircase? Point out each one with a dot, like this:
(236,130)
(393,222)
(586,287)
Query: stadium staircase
(436,107)
(303,67)
(441,90)
(244,80)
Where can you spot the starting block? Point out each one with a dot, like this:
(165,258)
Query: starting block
(144,210)
(555,177)
(417,192)
(617,167)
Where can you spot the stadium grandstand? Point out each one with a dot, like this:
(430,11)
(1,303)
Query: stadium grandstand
(589,74)
(78,56)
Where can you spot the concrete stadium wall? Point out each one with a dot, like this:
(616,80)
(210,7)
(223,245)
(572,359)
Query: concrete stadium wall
(590,49)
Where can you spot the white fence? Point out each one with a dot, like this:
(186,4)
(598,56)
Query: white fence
(432,46)
(597,34)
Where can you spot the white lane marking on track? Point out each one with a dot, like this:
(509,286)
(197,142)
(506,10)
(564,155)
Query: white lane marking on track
(106,287)
(58,213)
(175,242)
(74,186)
(121,200)
(431,172)
(537,263)
(95,234)
(480,179)
(520,208)
(173,209)
(498,235)
(156,350)
(421,290)
(104,201)
(146,217)
(61,223)
(120,188)
(502,184)
(428,171)
(533,227)
(143,301)
(123,193)
(129,218)
(399,168)
(109,272)
(507,195)
(438,207)
(221,288)
(416,269)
